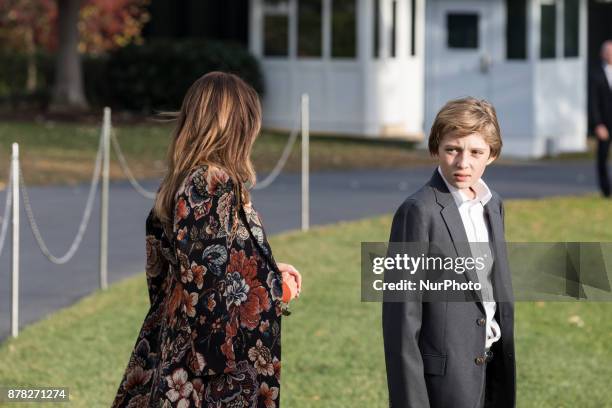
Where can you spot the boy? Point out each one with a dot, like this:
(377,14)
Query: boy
(455,354)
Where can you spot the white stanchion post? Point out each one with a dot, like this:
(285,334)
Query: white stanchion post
(15,255)
(305,163)
(106,128)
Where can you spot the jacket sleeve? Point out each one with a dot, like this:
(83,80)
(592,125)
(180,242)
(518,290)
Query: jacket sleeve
(156,245)
(203,217)
(595,102)
(503,214)
(402,322)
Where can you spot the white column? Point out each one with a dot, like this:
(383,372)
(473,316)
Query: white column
(560,29)
(583,31)
(256,28)
(408,25)
(328,74)
(419,48)
(365,30)
(293,29)
(292,62)
(533,33)
(420,29)
(326,33)
(403,29)
(385,29)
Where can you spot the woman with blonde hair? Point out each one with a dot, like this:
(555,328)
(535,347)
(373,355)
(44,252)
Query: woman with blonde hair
(212,335)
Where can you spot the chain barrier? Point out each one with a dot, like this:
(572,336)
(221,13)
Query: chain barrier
(7,209)
(128,172)
(270,178)
(84,220)
(59,260)
(103,153)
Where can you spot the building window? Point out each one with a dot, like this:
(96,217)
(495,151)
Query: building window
(413,27)
(344,29)
(516,29)
(376,29)
(309,28)
(276,28)
(548,29)
(393,27)
(571,26)
(276,43)
(462,30)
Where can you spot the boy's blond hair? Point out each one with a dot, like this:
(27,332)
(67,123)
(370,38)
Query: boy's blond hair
(463,117)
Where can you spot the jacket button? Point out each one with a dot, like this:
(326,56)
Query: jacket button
(479,360)
(481,321)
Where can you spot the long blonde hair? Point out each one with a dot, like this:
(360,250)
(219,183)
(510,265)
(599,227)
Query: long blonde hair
(217,125)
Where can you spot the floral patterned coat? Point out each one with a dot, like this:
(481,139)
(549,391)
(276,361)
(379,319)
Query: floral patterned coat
(211,337)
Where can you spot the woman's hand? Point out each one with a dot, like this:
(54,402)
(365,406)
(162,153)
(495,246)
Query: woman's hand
(292,278)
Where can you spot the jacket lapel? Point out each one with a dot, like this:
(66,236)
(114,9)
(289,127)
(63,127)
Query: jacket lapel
(454,224)
(604,77)
(500,276)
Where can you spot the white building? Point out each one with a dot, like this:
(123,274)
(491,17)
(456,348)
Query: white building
(384,67)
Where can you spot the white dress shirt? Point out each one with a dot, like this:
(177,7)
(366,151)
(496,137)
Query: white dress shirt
(608,71)
(472,216)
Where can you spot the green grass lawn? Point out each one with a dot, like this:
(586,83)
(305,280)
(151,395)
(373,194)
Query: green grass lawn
(332,345)
(64,152)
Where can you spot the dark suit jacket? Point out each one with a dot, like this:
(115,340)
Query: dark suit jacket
(431,347)
(600,102)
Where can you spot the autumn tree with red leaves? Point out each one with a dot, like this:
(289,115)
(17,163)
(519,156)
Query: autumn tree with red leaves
(25,27)
(69,28)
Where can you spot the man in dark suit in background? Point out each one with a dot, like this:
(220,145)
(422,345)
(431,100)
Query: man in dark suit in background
(601,113)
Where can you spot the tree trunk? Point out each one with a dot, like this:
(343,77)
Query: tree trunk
(31,82)
(68,93)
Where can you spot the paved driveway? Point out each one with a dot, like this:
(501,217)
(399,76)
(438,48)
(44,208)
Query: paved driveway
(335,196)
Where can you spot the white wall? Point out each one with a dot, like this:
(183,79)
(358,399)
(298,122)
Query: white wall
(535,99)
(362,96)
(560,103)
(512,92)
(512,97)
(335,90)
(560,91)
(508,84)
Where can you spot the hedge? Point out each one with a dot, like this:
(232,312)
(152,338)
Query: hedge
(145,78)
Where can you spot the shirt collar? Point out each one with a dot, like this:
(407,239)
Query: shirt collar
(483,193)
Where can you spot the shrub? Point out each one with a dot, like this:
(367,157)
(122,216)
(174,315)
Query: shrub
(156,75)
(144,78)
